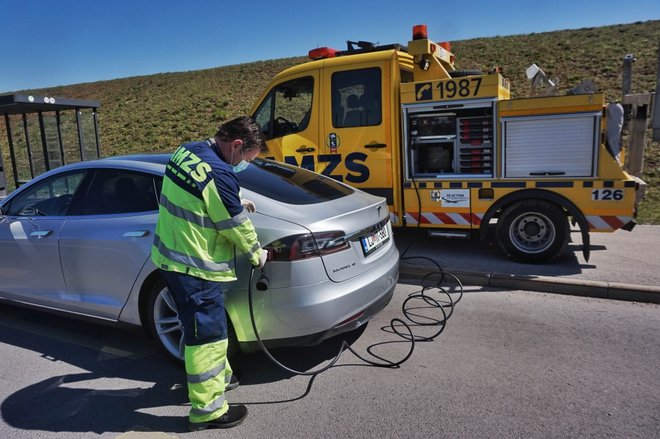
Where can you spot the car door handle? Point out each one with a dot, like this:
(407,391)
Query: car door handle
(41,233)
(375,145)
(136,233)
(305,149)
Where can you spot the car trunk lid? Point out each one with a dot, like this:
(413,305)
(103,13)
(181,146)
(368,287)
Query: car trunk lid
(364,222)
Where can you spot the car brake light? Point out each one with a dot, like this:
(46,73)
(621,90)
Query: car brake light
(308,245)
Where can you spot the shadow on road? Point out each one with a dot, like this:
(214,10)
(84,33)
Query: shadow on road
(123,382)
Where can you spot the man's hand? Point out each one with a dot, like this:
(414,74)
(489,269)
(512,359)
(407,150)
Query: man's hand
(263,255)
(248,205)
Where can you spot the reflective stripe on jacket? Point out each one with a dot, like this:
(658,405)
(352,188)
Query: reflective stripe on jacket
(209,373)
(200,217)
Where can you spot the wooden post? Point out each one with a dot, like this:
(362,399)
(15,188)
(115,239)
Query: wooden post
(655,121)
(640,105)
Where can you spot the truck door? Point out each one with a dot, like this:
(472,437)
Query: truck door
(288,116)
(355,135)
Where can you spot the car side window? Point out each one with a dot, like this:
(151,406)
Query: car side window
(287,108)
(50,197)
(114,191)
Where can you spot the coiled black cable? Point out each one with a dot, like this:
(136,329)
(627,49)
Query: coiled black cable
(393,328)
(441,271)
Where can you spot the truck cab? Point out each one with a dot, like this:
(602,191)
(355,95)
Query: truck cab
(339,120)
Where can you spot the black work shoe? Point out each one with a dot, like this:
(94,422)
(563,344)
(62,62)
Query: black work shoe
(234,381)
(234,416)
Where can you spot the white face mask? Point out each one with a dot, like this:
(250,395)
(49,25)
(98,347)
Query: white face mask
(240,166)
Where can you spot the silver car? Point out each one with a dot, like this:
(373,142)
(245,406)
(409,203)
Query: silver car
(77,239)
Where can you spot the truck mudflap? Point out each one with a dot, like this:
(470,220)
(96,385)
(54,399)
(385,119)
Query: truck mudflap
(629,225)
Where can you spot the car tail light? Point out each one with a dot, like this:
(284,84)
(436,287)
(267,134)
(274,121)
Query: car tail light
(308,245)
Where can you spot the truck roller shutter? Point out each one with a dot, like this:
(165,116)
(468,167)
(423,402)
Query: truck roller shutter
(550,146)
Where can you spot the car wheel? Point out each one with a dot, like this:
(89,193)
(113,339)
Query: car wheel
(163,320)
(532,231)
(165,326)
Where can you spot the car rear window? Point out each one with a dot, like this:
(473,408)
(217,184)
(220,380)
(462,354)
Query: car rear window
(290,184)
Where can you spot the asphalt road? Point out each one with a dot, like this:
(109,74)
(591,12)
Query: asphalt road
(508,364)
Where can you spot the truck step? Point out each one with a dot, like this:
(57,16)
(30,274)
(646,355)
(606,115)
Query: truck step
(460,234)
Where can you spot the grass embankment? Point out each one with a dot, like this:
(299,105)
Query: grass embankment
(159,112)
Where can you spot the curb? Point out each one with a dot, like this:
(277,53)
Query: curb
(547,284)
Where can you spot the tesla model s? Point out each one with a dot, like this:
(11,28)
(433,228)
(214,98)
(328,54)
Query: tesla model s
(77,240)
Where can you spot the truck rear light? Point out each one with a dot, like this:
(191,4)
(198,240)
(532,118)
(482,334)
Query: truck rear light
(305,246)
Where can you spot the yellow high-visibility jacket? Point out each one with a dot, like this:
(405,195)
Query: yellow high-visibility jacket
(200,219)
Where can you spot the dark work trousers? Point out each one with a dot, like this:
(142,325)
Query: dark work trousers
(201,307)
(201,310)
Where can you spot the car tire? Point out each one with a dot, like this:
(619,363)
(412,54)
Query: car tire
(163,321)
(532,231)
(165,326)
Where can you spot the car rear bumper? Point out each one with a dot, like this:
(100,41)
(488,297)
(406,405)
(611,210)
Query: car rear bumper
(307,315)
(359,319)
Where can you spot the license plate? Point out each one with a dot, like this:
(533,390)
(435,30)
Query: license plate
(375,240)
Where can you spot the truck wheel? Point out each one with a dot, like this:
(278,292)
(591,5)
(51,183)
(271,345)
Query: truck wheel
(532,231)
(165,326)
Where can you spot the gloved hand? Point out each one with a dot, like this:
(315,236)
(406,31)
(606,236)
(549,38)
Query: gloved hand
(263,255)
(248,205)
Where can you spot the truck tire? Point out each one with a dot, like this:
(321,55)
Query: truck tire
(462,73)
(165,327)
(532,231)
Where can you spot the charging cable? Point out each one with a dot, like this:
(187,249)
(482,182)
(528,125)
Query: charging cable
(394,326)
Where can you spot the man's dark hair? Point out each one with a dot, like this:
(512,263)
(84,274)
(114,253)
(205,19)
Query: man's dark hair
(245,129)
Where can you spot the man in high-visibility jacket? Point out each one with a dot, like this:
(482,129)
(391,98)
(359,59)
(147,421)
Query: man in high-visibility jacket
(201,221)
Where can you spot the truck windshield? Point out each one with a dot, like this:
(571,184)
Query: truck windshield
(290,184)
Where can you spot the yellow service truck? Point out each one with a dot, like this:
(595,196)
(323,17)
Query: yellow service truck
(449,149)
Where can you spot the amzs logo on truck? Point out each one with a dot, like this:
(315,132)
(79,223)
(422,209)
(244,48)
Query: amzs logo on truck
(358,172)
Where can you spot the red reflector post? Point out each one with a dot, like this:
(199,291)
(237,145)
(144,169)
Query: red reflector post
(350,319)
(420,32)
(322,52)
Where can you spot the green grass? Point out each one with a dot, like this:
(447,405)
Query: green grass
(159,112)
